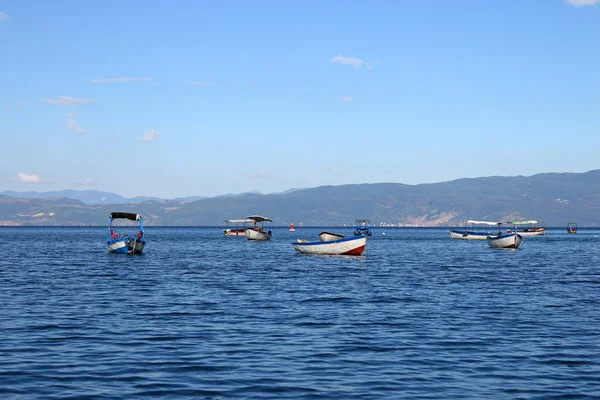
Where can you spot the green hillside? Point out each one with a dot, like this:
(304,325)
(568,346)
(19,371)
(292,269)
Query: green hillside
(553,198)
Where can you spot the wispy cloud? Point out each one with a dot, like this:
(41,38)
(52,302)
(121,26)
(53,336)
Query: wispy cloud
(28,178)
(346,98)
(4,17)
(71,123)
(149,136)
(199,83)
(9,107)
(581,3)
(327,169)
(85,182)
(120,79)
(355,62)
(384,170)
(257,175)
(68,101)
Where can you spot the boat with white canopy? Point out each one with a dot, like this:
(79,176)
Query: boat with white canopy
(237,227)
(473,230)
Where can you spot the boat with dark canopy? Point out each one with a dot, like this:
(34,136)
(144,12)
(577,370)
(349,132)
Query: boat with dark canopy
(124,243)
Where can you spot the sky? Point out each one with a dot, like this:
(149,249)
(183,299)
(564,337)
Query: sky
(201,98)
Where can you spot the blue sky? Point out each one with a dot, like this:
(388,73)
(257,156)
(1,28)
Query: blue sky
(185,98)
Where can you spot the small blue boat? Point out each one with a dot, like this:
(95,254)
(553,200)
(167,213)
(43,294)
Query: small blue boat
(125,244)
(362,228)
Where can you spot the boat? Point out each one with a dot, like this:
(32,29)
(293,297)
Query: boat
(505,241)
(292,227)
(257,232)
(526,228)
(362,228)
(236,227)
(123,243)
(572,227)
(353,246)
(470,232)
(329,237)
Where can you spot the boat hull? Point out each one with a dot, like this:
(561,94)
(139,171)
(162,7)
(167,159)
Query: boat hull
(351,247)
(469,235)
(329,237)
(234,232)
(126,245)
(507,241)
(252,234)
(534,232)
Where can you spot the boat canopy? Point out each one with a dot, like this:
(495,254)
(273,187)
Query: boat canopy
(522,222)
(482,222)
(238,221)
(124,215)
(258,218)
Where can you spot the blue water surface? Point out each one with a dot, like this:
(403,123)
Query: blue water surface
(203,316)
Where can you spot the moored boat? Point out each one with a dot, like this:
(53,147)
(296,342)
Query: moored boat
(258,232)
(572,227)
(329,237)
(527,228)
(505,241)
(353,246)
(362,228)
(236,227)
(470,232)
(125,244)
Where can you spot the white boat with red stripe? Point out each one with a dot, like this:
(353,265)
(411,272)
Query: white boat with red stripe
(353,246)
(505,241)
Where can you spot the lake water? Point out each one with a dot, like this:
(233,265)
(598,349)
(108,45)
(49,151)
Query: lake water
(202,316)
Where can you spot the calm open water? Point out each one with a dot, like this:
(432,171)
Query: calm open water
(202,316)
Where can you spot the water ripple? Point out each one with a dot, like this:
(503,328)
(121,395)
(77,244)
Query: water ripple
(201,316)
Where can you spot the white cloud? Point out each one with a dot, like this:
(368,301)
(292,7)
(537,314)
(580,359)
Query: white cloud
(346,98)
(199,83)
(120,79)
(68,101)
(355,62)
(71,123)
(18,105)
(580,3)
(149,136)
(4,17)
(28,178)
(85,182)
(257,175)
(384,170)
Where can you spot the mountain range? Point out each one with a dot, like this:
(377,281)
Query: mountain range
(554,199)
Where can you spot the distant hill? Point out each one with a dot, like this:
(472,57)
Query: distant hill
(85,196)
(553,198)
